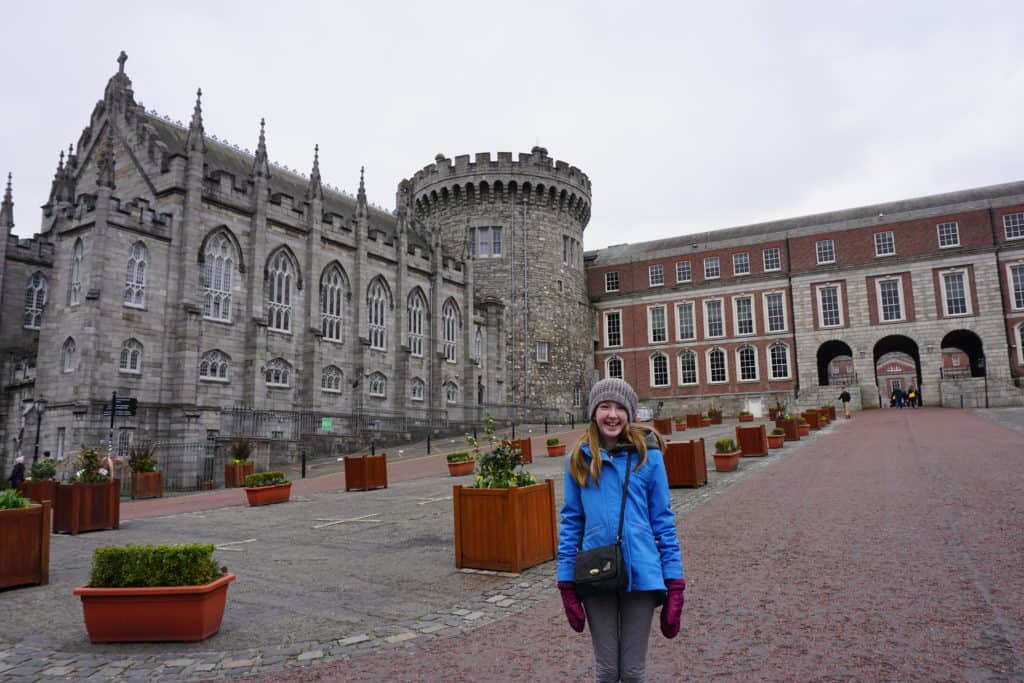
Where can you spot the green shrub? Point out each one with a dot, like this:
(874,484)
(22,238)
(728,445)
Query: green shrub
(704,416)
(11,500)
(136,566)
(265,479)
(91,470)
(44,469)
(725,446)
(553,441)
(461,456)
(778,432)
(141,457)
(241,449)
(496,469)
(803,420)
(744,412)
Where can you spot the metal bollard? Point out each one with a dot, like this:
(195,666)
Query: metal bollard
(474,433)
(572,420)
(428,443)
(961,401)
(373,448)
(545,425)
(303,463)
(513,430)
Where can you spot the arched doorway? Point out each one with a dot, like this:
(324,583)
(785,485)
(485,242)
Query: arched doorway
(897,365)
(962,355)
(835,364)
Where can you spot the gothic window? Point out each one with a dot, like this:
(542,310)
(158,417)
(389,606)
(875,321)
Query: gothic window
(280,280)
(131,356)
(278,373)
(378,385)
(213,366)
(417,311)
(330,380)
(332,301)
(613,367)
(218,271)
(478,345)
(69,355)
(135,276)
(417,389)
(451,392)
(377,307)
(35,300)
(75,290)
(450,324)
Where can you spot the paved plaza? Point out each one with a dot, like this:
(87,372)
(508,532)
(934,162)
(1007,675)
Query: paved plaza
(887,547)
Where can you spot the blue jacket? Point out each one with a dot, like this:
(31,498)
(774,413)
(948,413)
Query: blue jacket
(650,546)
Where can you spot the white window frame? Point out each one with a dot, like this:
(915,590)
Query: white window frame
(493,241)
(130,361)
(1014,222)
(377,300)
(278,373)
(955,226)
(331,379)
(608,366)
(777,259)
(377,385)
(62,433)
(963,273)
(281,278)
(651,337)
(1019,342)
(214,361)
(818,290)
(725,365)
(217,278)
(680,373)
(682,305)
(652,359)
(885,243)
(712,267)
(606,326)
(332,305)
(739,364)
(767,316)
(656,275)
(543,349)
(417,389)
(707,318)
(684,272)
(417,319)
(879,304)
(37,289)
(608,277)
(736,316)
(735,263)
(771,363)
(825,252)
(135,276)
(1015,293)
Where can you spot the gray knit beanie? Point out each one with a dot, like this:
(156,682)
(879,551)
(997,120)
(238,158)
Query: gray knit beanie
(613,389)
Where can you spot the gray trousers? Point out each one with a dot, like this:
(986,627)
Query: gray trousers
(620,626)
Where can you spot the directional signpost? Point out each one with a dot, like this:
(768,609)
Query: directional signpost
(118,407)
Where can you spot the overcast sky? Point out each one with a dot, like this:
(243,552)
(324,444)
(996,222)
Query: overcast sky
(686,116)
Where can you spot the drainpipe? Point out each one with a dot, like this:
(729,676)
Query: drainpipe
(792,322)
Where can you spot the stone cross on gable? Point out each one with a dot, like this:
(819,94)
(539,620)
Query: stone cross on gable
(121,59)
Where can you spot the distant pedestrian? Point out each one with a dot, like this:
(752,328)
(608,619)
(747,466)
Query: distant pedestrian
(620,621)
(17,472)
(912,396)
(845,398)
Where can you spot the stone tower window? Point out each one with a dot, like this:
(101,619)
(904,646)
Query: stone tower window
(214,365)
(135,276)
(450,324)
(451,392)
(68,355)
(543,352)
(280,280)
(35,300)
(485,242)
(131,357)
(418,389)
(417,318)
(75,288)
(332,301)
(218,271)
(330,380)
(278,373)
(378,385)
(377,305)
(478,345)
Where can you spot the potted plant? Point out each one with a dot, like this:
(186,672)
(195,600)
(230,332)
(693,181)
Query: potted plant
(506,522)
(680,423)
(777,438)
(41,486)
(460,463)
(92,500)
(786,423)
(154,593)
(147,481)
(779,409)
(746,416)
(555,447)
(715,415)
(239,466)
(705,421)
(805,428)
(831,410)
(24,540)
(727,455)
(265,488)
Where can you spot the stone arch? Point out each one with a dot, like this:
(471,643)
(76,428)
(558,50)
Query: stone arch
(827,353)
(231,237)
(970,343)
(387,289)
(336,264)
(896,344)
(287,251)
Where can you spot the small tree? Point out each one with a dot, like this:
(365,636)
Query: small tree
(497,469)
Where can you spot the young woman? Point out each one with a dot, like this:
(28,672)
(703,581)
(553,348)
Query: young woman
(620,623)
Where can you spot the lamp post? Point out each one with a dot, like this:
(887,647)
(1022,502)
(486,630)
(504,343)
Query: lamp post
(39,405)
(981,366)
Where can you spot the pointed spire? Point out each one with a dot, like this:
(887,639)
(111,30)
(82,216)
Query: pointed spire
(195,139)
(121,59)
(361,196)
(105,163)
(315,189)
(60,164)
(260,166)
(7,208)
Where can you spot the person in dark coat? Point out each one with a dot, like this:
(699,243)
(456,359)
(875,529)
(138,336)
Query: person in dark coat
(17,472)
(845,398)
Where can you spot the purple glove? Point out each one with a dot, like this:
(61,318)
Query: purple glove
(672,610)
(572,606)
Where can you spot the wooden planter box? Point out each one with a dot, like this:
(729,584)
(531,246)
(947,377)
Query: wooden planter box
(505,529)
(727,462)
(716,418)
(267,495)
(753,440)
(38,491)
(235,473)
(706,422)
(663,425)
(365,472)
(812,418)
(555,451)
(685,463)
(525,447)
(773,413)
(25,545)
(746,418)
(776,440)
(693,420)
(460,469)
(791,428)
(147,485)
(158,614)
(831,413)
(87,507)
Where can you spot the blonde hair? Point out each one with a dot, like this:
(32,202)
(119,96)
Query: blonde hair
(633,433)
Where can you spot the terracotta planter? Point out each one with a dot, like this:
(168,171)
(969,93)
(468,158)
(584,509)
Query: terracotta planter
(693,420)
(525,447)
(147,485)
(716,418)
(365,472)
(812,418)
(38,491)
(776,440)
(663,425)
(555,451)
(773,413)
(752,440)
(685,463)
(236,472)
(746,418)
(805,430)
(87,507)
(169,613)
(680,426)
(267,495)
(706,422)
(25,545)
(505,529)
(460,469)
(831,413)
(790,427)
(727,462)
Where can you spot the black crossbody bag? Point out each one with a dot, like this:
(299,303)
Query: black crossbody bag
(602,570)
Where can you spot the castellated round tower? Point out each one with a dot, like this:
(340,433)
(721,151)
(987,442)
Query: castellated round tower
(521,222)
